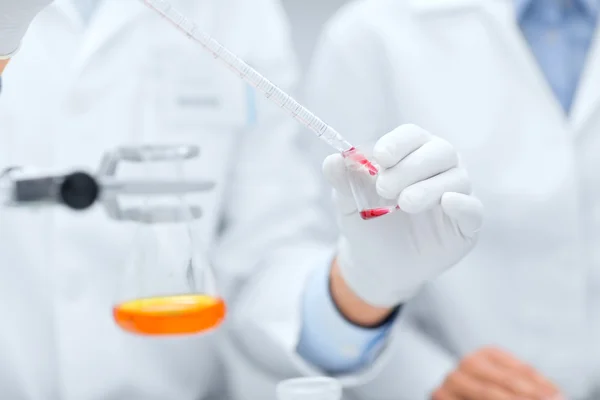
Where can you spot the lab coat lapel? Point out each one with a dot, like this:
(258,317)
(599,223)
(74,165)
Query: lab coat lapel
(587,99)
(111,18)
(501,14)
(69,12)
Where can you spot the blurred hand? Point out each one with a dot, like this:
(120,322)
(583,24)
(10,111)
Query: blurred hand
(386,260)
(493,374)
(15,17)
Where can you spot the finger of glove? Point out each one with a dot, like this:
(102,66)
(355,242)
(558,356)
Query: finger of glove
(335,172)
(346,205)
(433,158)
(398,144)
(465,210)
(424,195)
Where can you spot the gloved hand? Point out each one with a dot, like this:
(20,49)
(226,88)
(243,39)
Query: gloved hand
(386,260)
(15,18)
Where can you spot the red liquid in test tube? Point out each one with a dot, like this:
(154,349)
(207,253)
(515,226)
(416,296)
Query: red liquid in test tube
(374,213)
(377,212)
(362,160)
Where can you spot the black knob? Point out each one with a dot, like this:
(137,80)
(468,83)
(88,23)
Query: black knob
(79,191)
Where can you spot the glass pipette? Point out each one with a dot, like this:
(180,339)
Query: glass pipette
(270,90)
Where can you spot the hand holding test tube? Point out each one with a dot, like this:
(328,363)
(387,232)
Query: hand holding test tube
(387,260)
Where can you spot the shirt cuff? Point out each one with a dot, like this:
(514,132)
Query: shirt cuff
(328,340)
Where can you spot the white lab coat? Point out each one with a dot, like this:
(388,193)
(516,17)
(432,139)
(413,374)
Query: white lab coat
(73,93)
(462,70)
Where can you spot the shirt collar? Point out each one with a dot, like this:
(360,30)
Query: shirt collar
(591,7)
(521,6)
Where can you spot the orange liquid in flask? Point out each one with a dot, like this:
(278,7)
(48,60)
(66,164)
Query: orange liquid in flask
(171,315)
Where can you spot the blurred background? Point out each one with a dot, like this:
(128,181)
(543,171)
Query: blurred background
(307,18)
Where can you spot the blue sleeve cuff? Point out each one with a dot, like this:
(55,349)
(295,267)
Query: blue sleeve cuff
(328,340)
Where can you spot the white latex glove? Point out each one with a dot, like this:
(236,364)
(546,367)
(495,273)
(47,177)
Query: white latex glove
(386,260)
(15,18)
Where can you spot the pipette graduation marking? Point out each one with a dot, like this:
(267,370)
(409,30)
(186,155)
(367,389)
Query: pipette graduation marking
(270,90)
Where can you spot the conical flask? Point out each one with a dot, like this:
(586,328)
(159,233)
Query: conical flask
(168,285)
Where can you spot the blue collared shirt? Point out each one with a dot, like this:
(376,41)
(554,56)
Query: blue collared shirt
(559,33)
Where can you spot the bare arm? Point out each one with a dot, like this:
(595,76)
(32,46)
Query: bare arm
(353,307)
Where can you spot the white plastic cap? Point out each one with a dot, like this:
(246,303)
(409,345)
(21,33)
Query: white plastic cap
(313,388)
